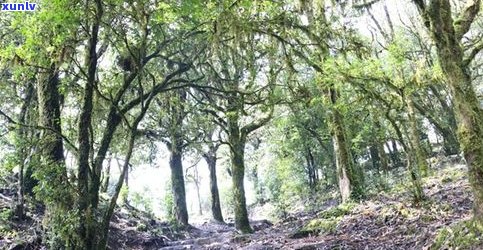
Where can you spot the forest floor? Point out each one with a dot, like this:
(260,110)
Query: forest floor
(389,220)
(385,221)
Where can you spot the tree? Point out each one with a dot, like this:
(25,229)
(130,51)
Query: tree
(174,134)
(53,42)
(243,100)
(210,156)
(317,56)
(447,34)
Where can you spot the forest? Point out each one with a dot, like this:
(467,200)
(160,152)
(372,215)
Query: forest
(241,124)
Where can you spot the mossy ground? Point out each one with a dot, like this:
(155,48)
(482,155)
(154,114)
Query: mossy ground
(464,235)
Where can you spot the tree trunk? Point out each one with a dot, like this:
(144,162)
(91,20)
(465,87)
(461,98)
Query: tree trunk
(197,185)
(237,146)
(87,200)
(210,159)
(395,155)
(49,117)
(178,187)
(470,122)
(105,181)
(22,153)
(383,157)
(376,160)
(415,142)
(101,243)
(414,176)
(311,170)
(350,185)
(113,121)
(450,141)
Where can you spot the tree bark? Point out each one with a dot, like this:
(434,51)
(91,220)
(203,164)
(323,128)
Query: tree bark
(350,185)
(107,175)
(22,151)
(104,227)
(383,157)
(237,142)
(86,198)
(210,159)
(237,146)
(395,154)
(450,142)
(376,160)
(417,190)
(178,187)
(49,117)
(414,140)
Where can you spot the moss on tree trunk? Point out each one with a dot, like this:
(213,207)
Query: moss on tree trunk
(415,142)
(178,188)
(210,159)
(238,176)
(350,180)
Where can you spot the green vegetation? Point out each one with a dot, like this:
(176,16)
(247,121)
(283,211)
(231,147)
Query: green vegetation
(295,106)
(338,211)
(322,226)
(464,235)
(326,221)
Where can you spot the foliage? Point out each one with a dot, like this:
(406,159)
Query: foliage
(141,201)
(192,74)
(167,206)
(6,214)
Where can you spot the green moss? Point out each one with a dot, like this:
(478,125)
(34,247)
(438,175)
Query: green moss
(322,226)
(341,210)
(452,174)
(327,221)
(464,235)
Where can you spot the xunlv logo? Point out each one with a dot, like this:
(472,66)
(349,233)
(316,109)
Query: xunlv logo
(18,6)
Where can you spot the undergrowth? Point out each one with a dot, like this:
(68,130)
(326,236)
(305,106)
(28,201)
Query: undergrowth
(464,235)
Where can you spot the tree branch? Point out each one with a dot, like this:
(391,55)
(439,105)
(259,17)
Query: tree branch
(247,129)
(478,47)
(466,18)
(11,120)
